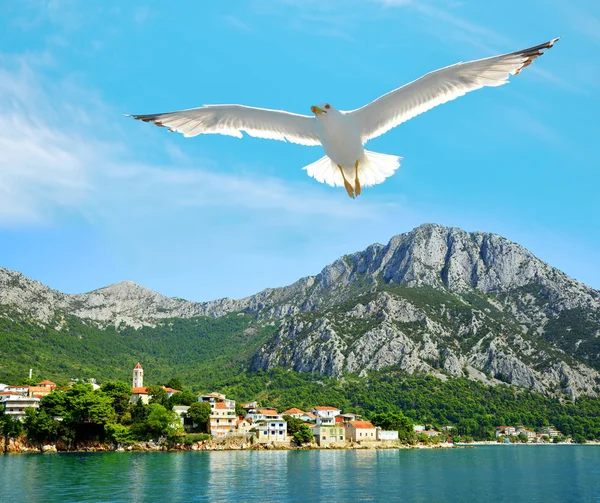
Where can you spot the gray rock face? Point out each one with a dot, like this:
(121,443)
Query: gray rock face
(435,299)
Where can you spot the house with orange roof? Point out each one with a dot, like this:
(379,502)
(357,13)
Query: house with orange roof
(502,431)
(42,389)
(293,412)
(325,414)
(360,431)
(223,419)
(308,416)
(140,393)
(265,414)
(47,384)
(242,425)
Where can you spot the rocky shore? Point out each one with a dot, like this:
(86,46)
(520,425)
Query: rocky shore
(21,446)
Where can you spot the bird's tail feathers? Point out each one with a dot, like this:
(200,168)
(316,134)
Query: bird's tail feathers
(376,167)
(373,168)
(325,171)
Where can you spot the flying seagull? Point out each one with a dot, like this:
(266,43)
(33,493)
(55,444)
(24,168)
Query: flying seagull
(343,134)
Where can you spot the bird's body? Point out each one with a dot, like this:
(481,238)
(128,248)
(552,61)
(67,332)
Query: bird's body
(343,134)
(340,137)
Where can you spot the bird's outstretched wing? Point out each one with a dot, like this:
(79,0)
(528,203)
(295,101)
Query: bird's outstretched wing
(231,120)
(439,87)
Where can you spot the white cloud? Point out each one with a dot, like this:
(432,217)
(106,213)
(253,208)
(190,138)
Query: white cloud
(57,158)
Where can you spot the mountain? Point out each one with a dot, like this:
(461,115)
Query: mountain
(434,300)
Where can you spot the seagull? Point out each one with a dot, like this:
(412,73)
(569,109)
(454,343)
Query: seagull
(343,134)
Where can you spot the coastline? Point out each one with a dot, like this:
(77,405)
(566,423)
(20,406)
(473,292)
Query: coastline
(21,446)
(24,447)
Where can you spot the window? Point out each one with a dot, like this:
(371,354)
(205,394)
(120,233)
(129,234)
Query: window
(265,432)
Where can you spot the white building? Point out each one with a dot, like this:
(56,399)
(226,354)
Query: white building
(272,431)
(138,376)
(385,435)
(263,415)
(181,411)
(325,414)
(222,416)
(15,404)
(308,416)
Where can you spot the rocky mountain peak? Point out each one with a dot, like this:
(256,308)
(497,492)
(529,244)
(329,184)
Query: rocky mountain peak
(435,299)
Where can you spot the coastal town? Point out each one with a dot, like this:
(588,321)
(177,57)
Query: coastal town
(328,425)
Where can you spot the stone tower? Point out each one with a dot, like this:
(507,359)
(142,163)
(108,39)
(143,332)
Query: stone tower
(138,376)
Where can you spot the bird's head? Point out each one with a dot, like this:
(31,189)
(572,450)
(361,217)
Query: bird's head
(324,108)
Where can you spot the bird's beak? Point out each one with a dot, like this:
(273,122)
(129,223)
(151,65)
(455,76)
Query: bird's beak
(317,111)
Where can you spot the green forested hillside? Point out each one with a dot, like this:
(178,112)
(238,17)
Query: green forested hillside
(213,354)
(202,351)
(473,408)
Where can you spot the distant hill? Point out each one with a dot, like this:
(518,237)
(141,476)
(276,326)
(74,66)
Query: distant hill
(435,300)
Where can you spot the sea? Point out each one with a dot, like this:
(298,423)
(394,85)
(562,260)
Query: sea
(503,473)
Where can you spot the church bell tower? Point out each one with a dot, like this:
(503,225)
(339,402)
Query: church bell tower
(138,376)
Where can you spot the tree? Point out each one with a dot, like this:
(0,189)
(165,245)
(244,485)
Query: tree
(160,422)
(10,428)
(26,381)
(523,438)
(303,435)
(157,395)
(293,424)
(120,394)
(199,414)
(55,403)
(39,425)
(175,383)
(239,410)
(118,433)
(395,421)
(84,405)
(183,398)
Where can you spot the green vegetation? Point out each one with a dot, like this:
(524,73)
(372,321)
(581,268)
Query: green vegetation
(303,435)
(198,414)
(81,413)
(201,350)
(474,409)
(395,421)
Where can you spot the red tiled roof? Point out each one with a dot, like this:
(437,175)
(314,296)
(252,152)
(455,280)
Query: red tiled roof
(339,419)
(220,405)
(293,410)
(362,424)
(171,390)
(138,366)
(140,391)
(268,412)
(310,414)
(47,382)
(325,407)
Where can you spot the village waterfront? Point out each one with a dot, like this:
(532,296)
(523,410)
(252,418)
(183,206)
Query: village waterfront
(555,473)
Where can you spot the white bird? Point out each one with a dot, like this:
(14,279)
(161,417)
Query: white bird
(342,134)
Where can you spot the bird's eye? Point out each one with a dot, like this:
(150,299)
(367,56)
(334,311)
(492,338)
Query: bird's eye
(327,106)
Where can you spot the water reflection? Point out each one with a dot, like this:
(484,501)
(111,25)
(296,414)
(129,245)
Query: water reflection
(543,473)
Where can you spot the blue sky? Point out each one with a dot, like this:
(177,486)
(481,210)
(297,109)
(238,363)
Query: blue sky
(89,197)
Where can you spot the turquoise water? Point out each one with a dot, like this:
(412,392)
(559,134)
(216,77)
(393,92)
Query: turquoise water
(489,473)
